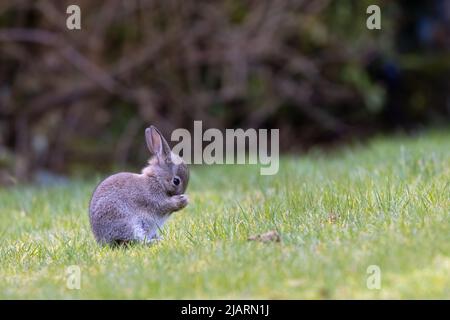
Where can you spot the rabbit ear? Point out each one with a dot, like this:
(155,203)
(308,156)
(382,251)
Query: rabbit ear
(156,143)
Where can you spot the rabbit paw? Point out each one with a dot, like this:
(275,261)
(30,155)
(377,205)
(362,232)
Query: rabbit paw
(180,201)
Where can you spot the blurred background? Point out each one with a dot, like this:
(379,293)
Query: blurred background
(77,101)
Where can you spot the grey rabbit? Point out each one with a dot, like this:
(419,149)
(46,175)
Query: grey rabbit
(129,207)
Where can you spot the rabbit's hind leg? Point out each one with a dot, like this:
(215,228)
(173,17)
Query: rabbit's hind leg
(155,238)
(120,231)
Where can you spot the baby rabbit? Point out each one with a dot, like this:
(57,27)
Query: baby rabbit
(128,207)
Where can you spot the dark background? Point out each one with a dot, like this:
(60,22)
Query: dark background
(78,101)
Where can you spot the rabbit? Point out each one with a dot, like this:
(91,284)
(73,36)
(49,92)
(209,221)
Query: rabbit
(129,207)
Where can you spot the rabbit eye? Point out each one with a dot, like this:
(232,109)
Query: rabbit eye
(176,181)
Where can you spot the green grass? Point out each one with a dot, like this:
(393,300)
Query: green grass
(384,204)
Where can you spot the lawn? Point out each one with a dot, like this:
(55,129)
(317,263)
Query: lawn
(385,203)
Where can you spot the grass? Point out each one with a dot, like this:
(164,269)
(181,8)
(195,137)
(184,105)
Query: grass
(384,204)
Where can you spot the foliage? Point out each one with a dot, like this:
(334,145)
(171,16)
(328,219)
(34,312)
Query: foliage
(311,68)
